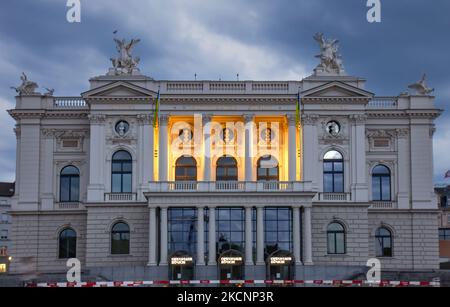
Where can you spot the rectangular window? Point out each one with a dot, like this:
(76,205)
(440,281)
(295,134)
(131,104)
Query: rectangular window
(5,218)
(448,218)
(444,234)
(2,267)
(278,230)
(182,227)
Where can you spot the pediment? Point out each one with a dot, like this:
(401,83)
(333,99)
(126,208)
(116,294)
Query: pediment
(118,90)
(336,90)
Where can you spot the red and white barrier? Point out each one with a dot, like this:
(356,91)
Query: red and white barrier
(165,283)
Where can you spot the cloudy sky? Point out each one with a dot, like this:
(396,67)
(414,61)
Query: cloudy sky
(259,39)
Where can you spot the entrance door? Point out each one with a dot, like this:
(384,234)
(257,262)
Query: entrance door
(281,266)
(231,266)
(181,266)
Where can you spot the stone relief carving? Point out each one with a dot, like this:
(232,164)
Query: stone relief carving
(27,88)
(125,63)
(327,138)
(330,59)
(421,87)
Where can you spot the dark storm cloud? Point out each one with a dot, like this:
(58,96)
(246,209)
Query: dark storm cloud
(216,39)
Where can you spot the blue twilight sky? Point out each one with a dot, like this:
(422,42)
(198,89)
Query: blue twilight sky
(262,40)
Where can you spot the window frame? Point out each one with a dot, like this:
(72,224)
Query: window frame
(70,177)
(186,167)
(335,234)
(67,247)
(334,173)
(379,177)
(122,173)
(378,237)
(226,168)
(267,177)
(120,232)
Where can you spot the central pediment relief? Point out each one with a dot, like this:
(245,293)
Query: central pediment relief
(119,90)
(336,90)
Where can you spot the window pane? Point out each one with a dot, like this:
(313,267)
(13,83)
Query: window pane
(338,183)
(331,244)
(328,166)
(116,183)
(376,194)
(127,183)
(386,190)
(75,190)
(340,243)
(117,167)
(65,189)
(127,167)
(328,183)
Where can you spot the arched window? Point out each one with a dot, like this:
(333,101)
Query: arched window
(120,239)
(69,185)
(336,239)
(227,169)
(67,244)
(186,169)
(268,169)
(333,172)
(383,241)
(122,165)
(381,183)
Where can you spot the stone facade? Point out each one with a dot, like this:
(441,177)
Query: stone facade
(117,115)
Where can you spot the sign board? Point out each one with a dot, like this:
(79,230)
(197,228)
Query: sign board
(280,260)
(181,260)
(231,260)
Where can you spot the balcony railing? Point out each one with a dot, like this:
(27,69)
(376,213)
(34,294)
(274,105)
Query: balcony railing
(335,197)
(120,197)
(69,103)
(383,205)
(229,186)
(68,206)
(383,103)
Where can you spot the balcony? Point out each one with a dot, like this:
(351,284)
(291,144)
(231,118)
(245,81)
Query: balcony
(378,103)
(229,186)
(120,197)
(334,197)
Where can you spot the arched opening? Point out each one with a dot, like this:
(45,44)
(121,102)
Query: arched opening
(181,266)
(381,183)
(268,169)
(226,169)
(333,172)
(336,239)
(383,241)
(186,169)
(280,266)
(120,239)
(231,265)
(122,172)
(67,244)
(69,185)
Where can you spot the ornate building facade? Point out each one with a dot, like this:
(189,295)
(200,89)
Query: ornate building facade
(230,180)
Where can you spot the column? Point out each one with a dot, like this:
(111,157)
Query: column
(296,235)
(308,237)
(207,147)
(146,153)
(152,237)
(200,236)
(163,235)
(292,147)
(212,236)
(260,236)
(248,236)
(96,188)
(360,192)
(403,169)
(163,148)
(46,176)
(248,146)
(310,149)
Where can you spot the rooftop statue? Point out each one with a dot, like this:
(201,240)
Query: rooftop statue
(331,60)
(421,87)
(125,64)
(27,87)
